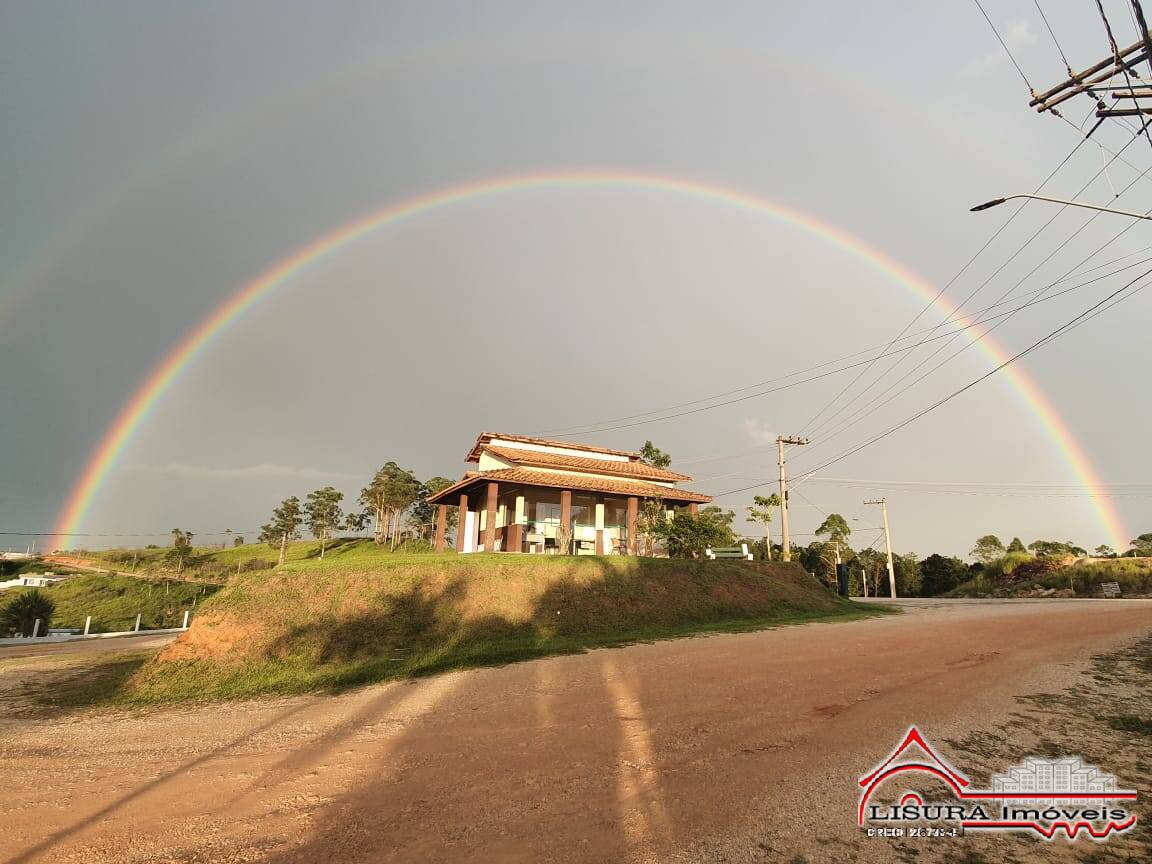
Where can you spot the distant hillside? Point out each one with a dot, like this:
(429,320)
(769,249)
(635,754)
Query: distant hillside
(367,615)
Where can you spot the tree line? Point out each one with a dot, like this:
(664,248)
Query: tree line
(393,505)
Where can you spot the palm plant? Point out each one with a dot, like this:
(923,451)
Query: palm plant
(20,615)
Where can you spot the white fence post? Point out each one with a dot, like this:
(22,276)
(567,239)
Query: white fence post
(36,628)
(87,624)
(136,629)
(186,614)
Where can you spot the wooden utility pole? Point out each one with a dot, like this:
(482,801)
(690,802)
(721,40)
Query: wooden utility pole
(786,546)
(883,502)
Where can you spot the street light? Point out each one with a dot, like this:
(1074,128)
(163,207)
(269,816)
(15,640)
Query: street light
(995,202)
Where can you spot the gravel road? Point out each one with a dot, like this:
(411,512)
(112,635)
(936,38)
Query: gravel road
(696,749)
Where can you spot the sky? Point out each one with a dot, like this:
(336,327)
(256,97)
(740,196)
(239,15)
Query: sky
(157,157)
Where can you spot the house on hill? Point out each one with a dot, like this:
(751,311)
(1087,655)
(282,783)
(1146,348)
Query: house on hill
(548,497)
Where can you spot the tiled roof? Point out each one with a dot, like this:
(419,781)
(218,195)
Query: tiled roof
(639,470)
(484,438)
(529,477)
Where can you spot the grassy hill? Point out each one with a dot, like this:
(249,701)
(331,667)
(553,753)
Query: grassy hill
(114,601)
(364,614)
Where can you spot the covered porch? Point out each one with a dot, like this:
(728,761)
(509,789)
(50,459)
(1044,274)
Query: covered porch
(544,513)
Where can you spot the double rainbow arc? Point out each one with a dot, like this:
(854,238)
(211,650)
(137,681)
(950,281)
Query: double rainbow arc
(107,453)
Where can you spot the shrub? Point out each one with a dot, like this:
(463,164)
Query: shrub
(1003,569)
(20,615)
(257,564)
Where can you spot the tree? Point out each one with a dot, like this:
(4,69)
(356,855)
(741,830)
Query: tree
(181,551)
(20,615)
(285,526)
(1105,551)
(238,541)
(687,536)
(1017,545)
(423,513)
(1142,546)
(358,521)
(761,511)
(835,527)
(1056,549)
(909,575)
(323,514)
(940,574)
(987,549)
(650,525)
(392,491)
(654,456)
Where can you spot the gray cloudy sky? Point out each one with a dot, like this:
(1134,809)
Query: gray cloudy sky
(156,156)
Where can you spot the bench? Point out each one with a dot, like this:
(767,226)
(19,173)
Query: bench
(1110,589)
(740,552)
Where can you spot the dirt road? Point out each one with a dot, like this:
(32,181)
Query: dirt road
(679,750)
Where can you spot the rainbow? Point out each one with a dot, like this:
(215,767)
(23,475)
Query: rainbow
(104,458)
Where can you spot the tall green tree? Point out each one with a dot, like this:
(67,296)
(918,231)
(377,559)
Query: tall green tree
(21,613)
(323,514)
(835,528)
(762,510)
(424,514)
(654,456)
(1056,549)
(390,493)
(181,551)
(285,526)
(940,574)
(1017,545)
(987,549)
(1105,551)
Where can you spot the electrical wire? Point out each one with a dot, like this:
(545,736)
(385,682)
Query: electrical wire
(1044,340)
(896,364)
(1004,45)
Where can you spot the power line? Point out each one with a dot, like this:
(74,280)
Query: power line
(892,367)
(1004,45)
(1047,338)
(950,282)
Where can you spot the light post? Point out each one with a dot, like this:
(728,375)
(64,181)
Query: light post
(996,202)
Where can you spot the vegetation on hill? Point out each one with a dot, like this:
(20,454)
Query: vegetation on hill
(113,601)
(363,615)
(1017,574)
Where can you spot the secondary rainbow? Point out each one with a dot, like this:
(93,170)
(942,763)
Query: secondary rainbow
(104,458)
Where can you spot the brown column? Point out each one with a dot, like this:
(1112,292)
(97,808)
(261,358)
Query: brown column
(490,519)
(461,522)
(599,542)
(693,509)
(566,518)
(441,525)
(515,538)
(633,512)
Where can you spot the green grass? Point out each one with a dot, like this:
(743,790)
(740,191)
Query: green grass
(113,601)
(364,615)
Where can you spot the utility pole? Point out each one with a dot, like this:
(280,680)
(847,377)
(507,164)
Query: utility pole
(883,502)
(786,546)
